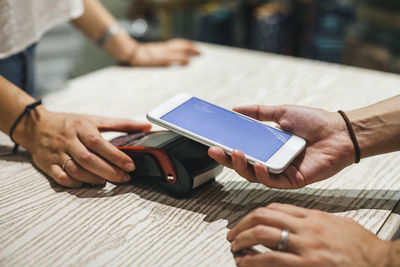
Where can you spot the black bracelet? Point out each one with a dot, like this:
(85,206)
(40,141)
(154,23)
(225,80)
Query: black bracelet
(352,136)
(27,109)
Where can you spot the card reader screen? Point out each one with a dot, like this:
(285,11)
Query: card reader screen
(227,128)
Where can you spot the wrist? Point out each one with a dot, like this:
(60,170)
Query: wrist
(342,140)
(352,135)
(24,133)
(122,47)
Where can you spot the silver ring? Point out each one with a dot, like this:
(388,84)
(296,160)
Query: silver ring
(65,163)
(282,246)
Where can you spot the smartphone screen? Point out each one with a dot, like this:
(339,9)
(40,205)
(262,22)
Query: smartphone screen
(227,128)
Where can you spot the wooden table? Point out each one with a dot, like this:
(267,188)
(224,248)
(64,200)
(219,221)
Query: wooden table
(43,224)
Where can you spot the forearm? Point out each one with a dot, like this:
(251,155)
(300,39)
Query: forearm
(377,127)
(12,102)
(94,23)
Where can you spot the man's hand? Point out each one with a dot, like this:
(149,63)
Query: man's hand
(329,148)
(315,238)
(175,51)
(53,138)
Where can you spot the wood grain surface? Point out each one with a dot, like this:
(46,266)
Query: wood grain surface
(43,224)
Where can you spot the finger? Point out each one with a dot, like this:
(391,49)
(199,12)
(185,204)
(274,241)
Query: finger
(80,174)
(240,165)
(186,46)
(119,125)
(219,155)
(264,216)
(270,180)
(264,235)
(296,211)
(179,58)
(262,113)
(191,49)
(93,140)
(295,177)
(96,165)
(62,178)
(272,258)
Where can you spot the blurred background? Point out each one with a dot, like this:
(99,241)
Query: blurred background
(363,33)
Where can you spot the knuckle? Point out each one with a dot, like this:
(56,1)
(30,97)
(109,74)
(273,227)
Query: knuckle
(74,124)
(317,213)
(258,231)
(318,229)
(73,170)
(85,157)
(93,140)
(119,176)
(313,244)
(258,214)
(62,179)
(273,205)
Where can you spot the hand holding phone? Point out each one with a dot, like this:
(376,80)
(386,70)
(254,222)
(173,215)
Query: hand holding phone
(215,126)
(329,147)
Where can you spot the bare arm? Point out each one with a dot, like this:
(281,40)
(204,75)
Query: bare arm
(377,127)
(96,20)
(94,23)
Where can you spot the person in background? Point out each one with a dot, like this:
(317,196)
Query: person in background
(304,237)
(22,23)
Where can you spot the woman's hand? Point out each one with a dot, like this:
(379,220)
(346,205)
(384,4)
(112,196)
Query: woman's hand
(175,51)
(315,238)
(54,138)
(96,20)
(329,148)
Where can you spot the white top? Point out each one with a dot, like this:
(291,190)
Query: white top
(22,22)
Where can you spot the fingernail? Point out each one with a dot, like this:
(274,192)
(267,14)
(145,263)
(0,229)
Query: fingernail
(238,260)
(126,177)
(129,166)
(233,246)
(229,236)
(234,160)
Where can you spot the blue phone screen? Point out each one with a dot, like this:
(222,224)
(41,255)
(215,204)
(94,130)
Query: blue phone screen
(227,128)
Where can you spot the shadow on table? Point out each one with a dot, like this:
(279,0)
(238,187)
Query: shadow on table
(21,156)
(234,199)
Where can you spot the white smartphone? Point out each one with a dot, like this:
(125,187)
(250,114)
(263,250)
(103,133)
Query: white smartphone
(212,125)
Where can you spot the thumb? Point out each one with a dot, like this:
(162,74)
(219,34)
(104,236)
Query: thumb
(262,113)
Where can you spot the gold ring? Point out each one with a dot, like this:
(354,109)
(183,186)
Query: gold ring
(65,163)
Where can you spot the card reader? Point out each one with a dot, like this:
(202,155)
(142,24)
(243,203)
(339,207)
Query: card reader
(179,165)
